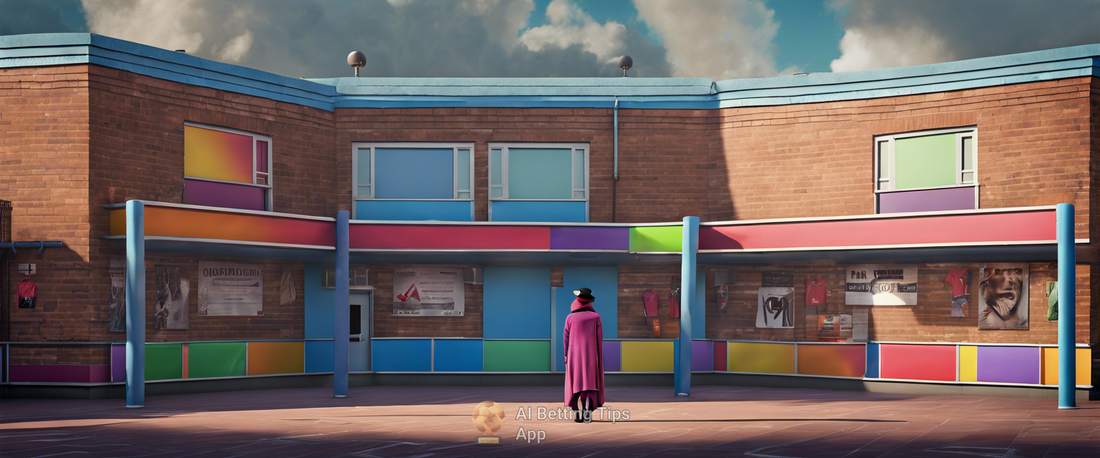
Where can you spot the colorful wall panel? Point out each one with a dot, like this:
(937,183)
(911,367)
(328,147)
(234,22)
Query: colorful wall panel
(320,356)
(410,237)
(832,360)
(319,309)
(391,355)
(721,356)
(118,363)
(561,212)
(872,361)
(226,195)
(517,356)
(612,356)
(516,303)
(459,355)
(1009,364)
(702,356)
(228,225)
(918,362)
(589,238)
(927,200)
(59,373)
(217,155)
(968,363)
(215,359)
(642,356)
(1050,366)
(414,210)
(266,358)
(163,361)
(761,358)
(657,239)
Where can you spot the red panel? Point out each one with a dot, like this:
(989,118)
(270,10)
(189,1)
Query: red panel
(721,360)
(1012,227)
(918,362)
(449,237)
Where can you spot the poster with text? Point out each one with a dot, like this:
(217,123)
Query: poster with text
(428,291)
(173,292)
(880,284)
(231,289)
(774,308)
(116,305)
(1002,296)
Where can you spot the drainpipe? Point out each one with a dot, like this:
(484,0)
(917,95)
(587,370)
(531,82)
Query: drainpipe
(616,167)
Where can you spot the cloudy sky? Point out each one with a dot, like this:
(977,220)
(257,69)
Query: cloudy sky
(717,39)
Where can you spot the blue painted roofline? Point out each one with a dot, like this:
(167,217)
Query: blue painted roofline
(675,93)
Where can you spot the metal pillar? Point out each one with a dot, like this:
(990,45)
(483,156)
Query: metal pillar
(341,313)
(689,247)
(1067,309)
(135,303)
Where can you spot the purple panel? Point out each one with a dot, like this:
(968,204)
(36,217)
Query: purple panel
(927,200)
(99,374)
(1009,364)
(225,195)
(57,373)
(590,238)
(702,356)
(118,363)
(612,356)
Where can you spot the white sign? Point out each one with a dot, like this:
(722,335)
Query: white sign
(231,289)
(428,291)
(880,284)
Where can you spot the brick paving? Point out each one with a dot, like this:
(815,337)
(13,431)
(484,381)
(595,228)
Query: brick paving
(436,422)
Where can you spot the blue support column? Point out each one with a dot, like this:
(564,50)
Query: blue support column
(1067,309)
(341,312)
(689,248)
(135,303)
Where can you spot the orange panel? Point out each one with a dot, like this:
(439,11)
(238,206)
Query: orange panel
(276,358)
(833,360)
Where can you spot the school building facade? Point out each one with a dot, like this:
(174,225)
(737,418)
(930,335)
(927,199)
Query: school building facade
(889,229)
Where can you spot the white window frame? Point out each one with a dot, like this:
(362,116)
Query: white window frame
(503,185)
(456,193)
(887,185)
(268,197)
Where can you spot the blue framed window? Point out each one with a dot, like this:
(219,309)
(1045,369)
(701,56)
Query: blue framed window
(538,182)
(413,181)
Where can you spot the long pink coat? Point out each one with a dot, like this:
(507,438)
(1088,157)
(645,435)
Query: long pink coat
(583,353)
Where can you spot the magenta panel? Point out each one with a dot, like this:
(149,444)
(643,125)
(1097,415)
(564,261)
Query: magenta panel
(225,195)
(702,356)
(721,358)
(1009,364)
(118,363)
(612,356)
(62,373)
(444,237)
(918,362)
(927,200)
(590,238)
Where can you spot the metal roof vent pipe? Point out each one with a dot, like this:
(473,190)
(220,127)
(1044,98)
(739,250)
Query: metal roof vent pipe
(357,60)
(625,63)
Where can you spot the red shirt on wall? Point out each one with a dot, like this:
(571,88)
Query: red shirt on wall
(959,278)
(815,290)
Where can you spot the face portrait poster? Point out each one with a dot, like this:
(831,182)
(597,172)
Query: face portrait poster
(774,307)
(116,305)
(1002,296)
(173,292)
(231,289)
(428,291)
(880,284)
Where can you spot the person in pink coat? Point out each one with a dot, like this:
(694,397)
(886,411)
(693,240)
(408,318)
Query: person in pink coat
(583,357)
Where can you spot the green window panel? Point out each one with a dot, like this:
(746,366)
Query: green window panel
(924,162)
(163,361)
(216,359)
(516,356)
(537,173)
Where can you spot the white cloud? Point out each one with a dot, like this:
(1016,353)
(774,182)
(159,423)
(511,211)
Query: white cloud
(164,24)
(861,49)
(236,49)
(570,26)
(717,39)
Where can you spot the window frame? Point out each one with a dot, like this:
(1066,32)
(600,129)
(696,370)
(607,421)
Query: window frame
(505,147)
(269,202)
(887,185)
(455,147)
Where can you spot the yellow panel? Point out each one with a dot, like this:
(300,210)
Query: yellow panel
(968,363)
(761,358)
(647,356)
(1050,366)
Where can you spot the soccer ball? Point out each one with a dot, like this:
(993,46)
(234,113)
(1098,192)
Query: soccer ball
(488,417)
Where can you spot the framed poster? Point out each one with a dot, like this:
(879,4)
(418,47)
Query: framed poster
(774,307)
(116,305)
(1002,296)
(173,292)
(429,291)
(880,284)
(231,289)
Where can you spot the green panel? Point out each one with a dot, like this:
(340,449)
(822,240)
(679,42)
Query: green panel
(216,359)
(924,162)
(362,175)
(462,167)
(517,356)
(540,173)
(163,361)
(659,238)
(494,167)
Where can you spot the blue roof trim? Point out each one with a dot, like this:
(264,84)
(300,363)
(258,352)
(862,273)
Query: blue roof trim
(667,93)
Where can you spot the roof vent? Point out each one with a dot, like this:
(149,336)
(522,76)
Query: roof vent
(357,60)
(625,63)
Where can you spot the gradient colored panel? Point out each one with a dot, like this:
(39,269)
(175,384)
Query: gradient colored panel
(1016,227)
(761,358)
(185,359)
(414,210)
(641,356)
(215,225)
(216,359)
(163,361)
(372,236)
(225,195)
(612,356)
(968,363)
(590,238)
(872,360)
(118,363)
(721,356)
(1050,366)
(527,211)
(918,362)
(516,303)
(656,239)
(454,355)
(927,200)
(401,355)
(1010,365)
(702,356)
(517,356)
(217,155)
(59,373)
(924,162)
(276,358)
(319,356)
(540,173)
(414,173)
(832,360)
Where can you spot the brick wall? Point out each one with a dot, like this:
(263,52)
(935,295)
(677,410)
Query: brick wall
(634,281)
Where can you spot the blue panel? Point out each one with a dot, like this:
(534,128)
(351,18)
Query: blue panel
(319,356)
(563,212)
(414,210)
(414,173)
(872,360)
(516,303)
(319,305)
(357,357)
(402,355)
(540,173)
(604,283)
(453,355)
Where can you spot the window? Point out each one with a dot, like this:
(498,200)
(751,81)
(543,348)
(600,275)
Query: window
(358,277)
(431,180)
(226,168)
(926,171)
(538,182)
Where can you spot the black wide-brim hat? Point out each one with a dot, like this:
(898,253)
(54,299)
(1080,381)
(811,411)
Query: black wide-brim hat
(584,293)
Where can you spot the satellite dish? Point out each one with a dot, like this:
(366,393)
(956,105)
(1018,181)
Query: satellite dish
(625,63)
(357,60)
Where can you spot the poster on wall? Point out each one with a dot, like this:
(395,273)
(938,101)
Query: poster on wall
(428,291)
(880,284)
(173,292)
(774,307)
(287,292)
(230,289)
(116,305)
(1002,296)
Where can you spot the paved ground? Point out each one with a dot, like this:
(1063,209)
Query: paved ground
(436,422)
